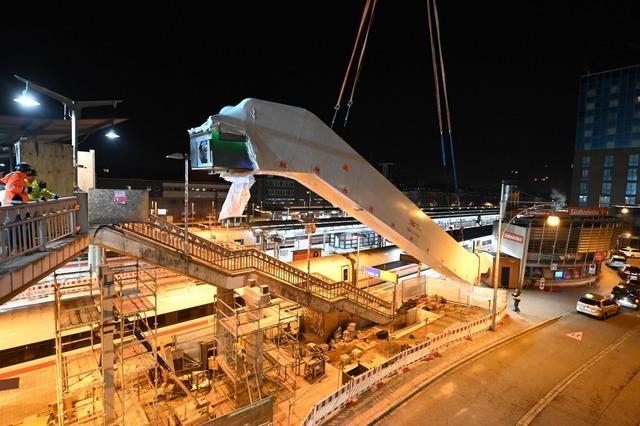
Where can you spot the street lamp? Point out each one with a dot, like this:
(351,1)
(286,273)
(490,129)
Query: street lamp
(74,107)
(185,157)
(552,220)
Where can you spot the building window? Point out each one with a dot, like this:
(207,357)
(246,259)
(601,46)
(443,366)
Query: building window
(606,188)
(613,103)
(614,89)
(586,161)
(582,200)
(611,131)
(631,188)
(588,133)
(591,93)
(608,161)
(629,200)
(585,174)
(591,106)
(605,200)
(634,160)
(606,175)
(584,188)
(632,173)
(588,120)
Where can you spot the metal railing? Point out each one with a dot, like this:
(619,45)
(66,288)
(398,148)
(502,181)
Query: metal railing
(30,227)
(234,258)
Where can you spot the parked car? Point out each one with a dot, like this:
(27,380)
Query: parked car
(630,273)
(597,305)
(631,252)
(616,261)
(626,295)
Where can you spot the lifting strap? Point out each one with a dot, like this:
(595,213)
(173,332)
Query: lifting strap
(436,79)
(446,99)
(365,13)
(364,47)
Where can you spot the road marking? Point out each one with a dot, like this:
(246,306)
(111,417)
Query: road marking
(557,389)
(577,335)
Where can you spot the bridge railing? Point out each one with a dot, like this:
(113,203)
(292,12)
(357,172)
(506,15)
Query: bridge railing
(29,227)
(235,258)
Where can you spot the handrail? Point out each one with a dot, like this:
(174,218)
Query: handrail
(234,257)
(29,227)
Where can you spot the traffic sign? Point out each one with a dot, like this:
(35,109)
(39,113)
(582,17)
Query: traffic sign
(577,335)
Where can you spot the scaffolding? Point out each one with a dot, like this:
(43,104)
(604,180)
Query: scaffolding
(78,331)
(136,358)
(249,336)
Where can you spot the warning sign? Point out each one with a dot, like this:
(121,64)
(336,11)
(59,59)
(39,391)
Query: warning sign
(577,335)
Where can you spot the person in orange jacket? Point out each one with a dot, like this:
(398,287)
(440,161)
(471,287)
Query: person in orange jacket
(16,185)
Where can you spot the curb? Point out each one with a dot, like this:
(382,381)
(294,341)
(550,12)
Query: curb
(462,361)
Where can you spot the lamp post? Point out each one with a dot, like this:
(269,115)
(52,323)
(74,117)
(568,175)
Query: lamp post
(309,199)
(552,220)
(72,108)
(185,157)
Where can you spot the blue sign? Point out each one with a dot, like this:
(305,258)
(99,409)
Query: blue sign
(372,272)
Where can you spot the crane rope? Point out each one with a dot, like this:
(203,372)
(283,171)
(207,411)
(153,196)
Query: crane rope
(437,83)
(446,99)
(365,13)
(359,68)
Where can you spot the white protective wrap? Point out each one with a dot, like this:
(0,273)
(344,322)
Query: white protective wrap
(238,195)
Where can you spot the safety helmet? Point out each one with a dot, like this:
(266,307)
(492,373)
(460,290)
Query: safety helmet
(22,167)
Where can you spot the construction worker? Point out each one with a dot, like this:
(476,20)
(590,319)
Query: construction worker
(16,185)
(517,297)
(39,191)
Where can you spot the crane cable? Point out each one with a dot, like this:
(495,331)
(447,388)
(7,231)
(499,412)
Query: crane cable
(365,13)
(437,83)
(446,98)
(364,47)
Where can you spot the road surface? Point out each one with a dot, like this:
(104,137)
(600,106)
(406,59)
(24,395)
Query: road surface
(590,378)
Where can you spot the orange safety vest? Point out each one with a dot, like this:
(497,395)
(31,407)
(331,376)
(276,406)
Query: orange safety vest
(14,188)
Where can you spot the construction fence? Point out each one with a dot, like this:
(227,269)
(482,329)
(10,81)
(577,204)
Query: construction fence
(351,390)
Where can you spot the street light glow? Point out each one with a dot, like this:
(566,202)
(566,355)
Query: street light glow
(553,220)
(624,210)
(112,135)
(26,100)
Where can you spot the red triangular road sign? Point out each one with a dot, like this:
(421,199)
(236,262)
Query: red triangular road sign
(577,335)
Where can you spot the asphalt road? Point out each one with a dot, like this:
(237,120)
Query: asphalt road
(586,381)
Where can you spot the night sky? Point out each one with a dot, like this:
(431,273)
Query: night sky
(512,74)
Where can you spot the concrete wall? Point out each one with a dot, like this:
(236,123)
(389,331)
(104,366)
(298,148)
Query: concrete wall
(105,208)
(53,161)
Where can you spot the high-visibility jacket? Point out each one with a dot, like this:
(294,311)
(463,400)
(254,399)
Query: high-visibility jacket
(15,184)
(37,192)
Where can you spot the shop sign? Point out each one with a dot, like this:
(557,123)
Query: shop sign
(514,237)
(554,266)
(592,269)
(541,283)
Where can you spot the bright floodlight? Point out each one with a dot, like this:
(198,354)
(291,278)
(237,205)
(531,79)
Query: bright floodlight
(176,156)
(26,100)
(112,135)
(553,220)
(624,210)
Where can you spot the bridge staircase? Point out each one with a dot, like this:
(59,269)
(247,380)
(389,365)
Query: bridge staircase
(230,265)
